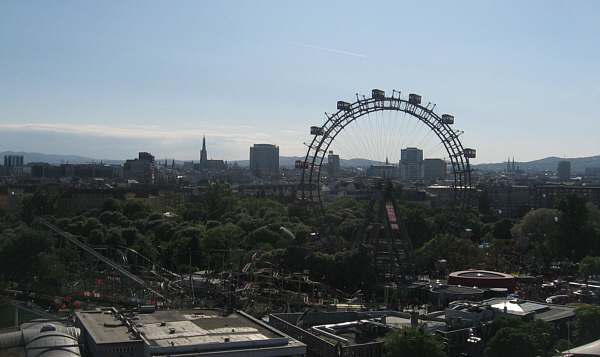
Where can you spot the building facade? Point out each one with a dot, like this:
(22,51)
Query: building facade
(13,164)
(264,160)
(563,171)
(434,169)
(143,169)
(205,163)
(333,163)
(411,164)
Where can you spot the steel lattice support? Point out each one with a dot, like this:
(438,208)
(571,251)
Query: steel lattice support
(393,250)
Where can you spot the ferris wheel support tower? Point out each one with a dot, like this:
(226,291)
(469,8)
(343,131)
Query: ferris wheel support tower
(394,252)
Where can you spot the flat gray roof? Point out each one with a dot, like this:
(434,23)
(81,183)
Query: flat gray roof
(543,311)
(179,331)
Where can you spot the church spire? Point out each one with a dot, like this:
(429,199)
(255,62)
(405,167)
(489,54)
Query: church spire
(203,154)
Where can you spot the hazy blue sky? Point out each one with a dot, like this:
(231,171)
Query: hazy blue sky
(108,79)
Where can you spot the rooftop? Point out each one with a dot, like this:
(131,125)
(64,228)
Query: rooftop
(181,331)
(542,311)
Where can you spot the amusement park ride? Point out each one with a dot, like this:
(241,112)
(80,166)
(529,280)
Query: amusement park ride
(392,247)
(110,273)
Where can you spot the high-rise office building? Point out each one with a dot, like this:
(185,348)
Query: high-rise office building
(264,160)
(143,169)
(563,171)
(411,164)
(333,163)
(13,160)
(434,169)
(13,164)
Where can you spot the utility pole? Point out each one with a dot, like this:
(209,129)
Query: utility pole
(191,280)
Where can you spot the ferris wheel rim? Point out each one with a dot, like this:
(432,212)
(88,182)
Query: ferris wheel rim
(350,112)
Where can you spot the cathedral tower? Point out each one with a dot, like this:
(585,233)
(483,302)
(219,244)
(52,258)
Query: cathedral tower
(203,155)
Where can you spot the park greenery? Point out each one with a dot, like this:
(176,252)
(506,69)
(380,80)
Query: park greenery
(413,341)
(511,336)
(193,236)
(293,238)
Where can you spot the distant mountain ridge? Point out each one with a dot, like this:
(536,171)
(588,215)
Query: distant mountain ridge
(53,159)
(578,165)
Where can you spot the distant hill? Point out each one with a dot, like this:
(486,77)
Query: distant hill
(578,165)
(58,159)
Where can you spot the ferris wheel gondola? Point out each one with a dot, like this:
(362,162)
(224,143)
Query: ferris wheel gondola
(364,109)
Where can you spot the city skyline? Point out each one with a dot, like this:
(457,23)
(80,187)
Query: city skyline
(109,80)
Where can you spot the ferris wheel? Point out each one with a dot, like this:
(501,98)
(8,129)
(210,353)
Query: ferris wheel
(376,129)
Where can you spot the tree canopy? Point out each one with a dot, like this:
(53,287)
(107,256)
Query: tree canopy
(413,341)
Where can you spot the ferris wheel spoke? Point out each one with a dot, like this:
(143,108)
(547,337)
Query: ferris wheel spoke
(378,128)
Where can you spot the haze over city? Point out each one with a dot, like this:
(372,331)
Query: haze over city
(107,80)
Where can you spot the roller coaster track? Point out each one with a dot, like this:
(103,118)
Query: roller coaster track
(127,274)
(31,309)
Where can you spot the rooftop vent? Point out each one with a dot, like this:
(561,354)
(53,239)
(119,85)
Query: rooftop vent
(48,327)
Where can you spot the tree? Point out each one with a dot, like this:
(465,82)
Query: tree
(594,215)
(136,206)
(574,209)
(43,202)
(20,252)
(587,324)
(544,336)
(354,270)
(540,229)
(218,199)
(575,226)
(130,235)
(589,266)
(96,237)
(510,341)
(501,322)
(263,237)
(417,224)
(580,225)
(227,236)
(511,336)
(348,229)
(460,253)
(485,203)
(49,273)
(295,211)
(114,237)
(190,212)
(112,205)
(501,229)
(413,341)
(113,218)
(144,246)
(257,207)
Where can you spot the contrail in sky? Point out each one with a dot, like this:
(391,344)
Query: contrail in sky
(329,49)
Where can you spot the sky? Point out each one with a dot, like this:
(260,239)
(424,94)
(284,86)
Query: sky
(108,79)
